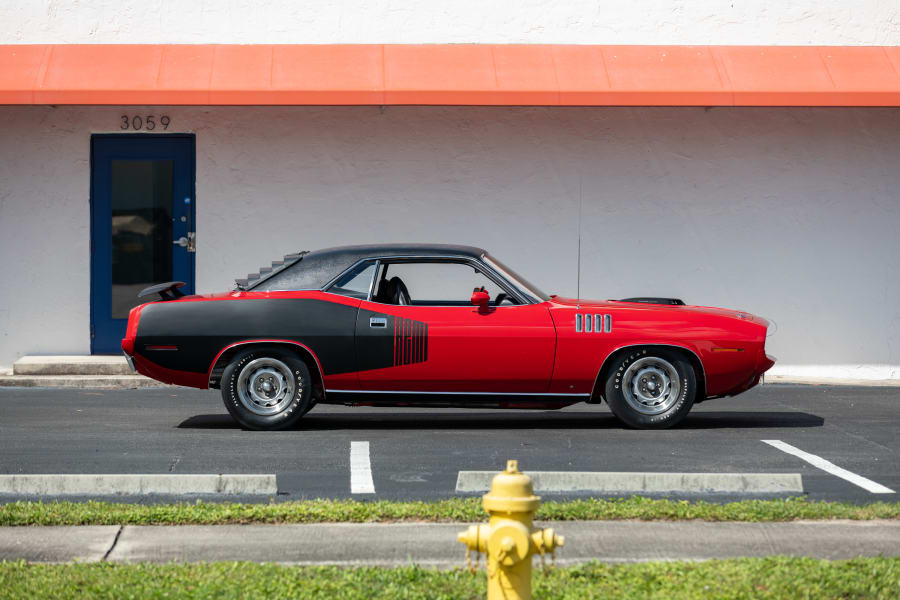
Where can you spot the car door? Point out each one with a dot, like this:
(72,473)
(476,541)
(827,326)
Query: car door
(440,342)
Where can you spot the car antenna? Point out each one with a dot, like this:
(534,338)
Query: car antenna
(578,277)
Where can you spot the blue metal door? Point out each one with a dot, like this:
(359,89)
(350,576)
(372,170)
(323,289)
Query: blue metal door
(142,225)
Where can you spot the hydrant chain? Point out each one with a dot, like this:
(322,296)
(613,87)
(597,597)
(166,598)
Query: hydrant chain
(472,569)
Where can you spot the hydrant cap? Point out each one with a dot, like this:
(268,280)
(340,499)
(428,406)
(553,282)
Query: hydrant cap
(511,491)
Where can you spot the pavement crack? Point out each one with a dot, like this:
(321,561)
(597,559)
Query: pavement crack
(174,462)
(113,545)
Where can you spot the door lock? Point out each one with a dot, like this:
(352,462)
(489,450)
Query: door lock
(189,242)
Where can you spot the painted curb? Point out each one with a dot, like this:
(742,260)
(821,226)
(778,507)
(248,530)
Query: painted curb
(585,481)
(136,485)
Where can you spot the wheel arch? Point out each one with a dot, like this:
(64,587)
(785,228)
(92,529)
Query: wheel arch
(301,350)
(692,356)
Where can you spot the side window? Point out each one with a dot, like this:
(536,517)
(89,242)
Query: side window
(355,282)
(434,284)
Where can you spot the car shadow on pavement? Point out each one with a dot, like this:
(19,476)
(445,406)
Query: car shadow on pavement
(517,420)
(750,420)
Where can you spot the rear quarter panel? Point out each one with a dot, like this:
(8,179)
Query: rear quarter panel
(200,328)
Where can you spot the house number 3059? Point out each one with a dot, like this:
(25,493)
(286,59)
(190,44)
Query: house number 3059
(145,122)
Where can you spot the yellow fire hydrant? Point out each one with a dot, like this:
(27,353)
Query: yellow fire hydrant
(510,539)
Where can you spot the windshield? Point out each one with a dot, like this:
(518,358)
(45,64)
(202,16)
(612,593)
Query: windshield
(514,278)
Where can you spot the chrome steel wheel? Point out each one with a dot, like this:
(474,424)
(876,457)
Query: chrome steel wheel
(651,385)
(265,386)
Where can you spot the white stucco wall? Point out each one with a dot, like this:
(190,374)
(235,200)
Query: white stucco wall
(802,22)
(788,213)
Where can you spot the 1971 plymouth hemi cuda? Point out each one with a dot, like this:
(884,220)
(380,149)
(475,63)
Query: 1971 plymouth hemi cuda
(400,325)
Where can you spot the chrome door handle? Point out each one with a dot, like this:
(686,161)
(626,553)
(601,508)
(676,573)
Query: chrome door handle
(189,242)
(377,322)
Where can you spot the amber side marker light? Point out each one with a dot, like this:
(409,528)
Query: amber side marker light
(727,349)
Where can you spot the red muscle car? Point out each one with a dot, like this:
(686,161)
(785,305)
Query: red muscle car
(400,325)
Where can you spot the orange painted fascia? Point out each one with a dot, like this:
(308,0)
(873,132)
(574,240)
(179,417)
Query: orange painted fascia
(445,74)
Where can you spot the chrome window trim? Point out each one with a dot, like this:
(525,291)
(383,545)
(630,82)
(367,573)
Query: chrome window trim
(372,283)
(451,258)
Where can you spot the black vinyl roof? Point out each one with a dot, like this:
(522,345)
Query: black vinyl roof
(312,270)
(375,250)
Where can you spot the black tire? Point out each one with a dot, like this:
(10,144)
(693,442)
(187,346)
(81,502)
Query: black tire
(656,368)
(291,386)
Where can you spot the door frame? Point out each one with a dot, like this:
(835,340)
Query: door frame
(192,187)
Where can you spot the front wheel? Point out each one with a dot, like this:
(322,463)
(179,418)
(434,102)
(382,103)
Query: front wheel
(651,388)
(266,389)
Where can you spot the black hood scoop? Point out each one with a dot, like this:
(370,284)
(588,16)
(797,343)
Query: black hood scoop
(648,300)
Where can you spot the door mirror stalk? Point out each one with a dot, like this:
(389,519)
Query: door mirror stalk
(481,299)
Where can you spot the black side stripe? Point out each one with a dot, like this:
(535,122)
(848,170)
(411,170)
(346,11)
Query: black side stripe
(410,341)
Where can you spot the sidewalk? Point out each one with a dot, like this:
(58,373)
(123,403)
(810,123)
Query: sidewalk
(435,544)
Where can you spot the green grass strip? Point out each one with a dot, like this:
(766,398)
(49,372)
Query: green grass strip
(770,578)
(455,509)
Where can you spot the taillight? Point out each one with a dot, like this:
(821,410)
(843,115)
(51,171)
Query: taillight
(131,331)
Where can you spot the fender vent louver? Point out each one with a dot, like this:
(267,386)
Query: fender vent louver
(264,273)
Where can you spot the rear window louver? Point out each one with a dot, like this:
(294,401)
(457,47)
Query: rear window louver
(264,273)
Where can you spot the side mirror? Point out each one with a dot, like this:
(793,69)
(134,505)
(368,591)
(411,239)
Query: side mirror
(481,299)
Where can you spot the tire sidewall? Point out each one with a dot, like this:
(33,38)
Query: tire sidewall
(615,397)
(299,405)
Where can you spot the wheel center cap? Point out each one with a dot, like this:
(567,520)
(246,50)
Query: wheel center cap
(267,387)
(651,385)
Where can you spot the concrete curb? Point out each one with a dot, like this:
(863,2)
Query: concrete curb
(102,382)
(72,365)
(599,482)
(804,380)
(136,485)
(435,544)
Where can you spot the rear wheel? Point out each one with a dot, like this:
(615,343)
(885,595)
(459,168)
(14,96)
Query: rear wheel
(651,388)
(266,388)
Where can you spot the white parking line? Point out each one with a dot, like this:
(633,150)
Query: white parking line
(829,467)
(360,469)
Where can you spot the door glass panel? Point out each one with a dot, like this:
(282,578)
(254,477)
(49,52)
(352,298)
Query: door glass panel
(141,229)
(434,283)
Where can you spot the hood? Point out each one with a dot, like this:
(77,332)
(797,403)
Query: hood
(591,305)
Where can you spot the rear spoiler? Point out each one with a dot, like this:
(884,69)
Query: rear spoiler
(166,291)
(672,301)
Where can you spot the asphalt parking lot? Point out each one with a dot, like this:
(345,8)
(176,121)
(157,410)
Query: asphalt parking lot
(415,453)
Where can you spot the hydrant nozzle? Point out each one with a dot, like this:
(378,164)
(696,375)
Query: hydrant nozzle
(510,539)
